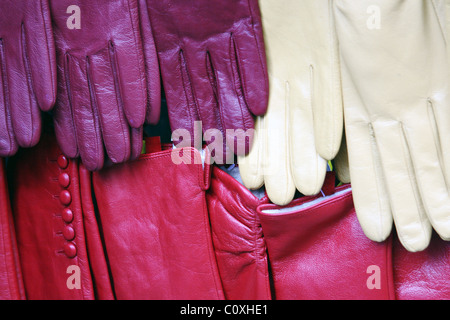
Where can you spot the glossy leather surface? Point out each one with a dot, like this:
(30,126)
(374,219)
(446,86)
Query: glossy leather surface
(156,228)
(213,64)
(11,283)
(422,275)
(27,72)
(238,238)
(108,76)
(319,251)
(49,223)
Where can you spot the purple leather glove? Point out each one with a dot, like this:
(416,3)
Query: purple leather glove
(108,78)
(27,72)
(213,63)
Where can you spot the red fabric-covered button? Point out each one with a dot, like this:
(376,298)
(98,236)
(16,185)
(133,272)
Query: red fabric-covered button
(67,215)
(64,180)
(65,197)
(70,250)
(68,233)
(63,162)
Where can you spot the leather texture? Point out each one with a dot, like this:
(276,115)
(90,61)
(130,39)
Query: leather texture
(318,251)
(159,245)
(11,283)
(108,79)
(27,72)
(303,126)
(213,68)
(47,195)
(238,238)
(395,90)
(422,275)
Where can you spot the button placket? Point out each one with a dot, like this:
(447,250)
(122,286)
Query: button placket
(65,198)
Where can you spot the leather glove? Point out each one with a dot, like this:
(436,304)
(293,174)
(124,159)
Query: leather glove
(303,126)
(213,68)
(48,199)
(27,72)
(238,239)
(156,229)
(11,282)
(422,275)
(318,251)
(397,120)
(109,79)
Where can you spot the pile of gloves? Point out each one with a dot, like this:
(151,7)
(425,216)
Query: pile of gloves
(302,133)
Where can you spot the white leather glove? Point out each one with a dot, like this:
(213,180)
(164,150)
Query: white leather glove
(397,116)
(302,128)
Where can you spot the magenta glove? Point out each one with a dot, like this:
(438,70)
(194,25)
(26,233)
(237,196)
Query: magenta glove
(27,72)
(108,75)
(213,63)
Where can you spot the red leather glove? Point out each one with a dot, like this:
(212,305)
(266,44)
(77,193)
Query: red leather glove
(11,284)
(238,240)
(27,72)
(48,197)
(156,228)
(422,275)
(318,251)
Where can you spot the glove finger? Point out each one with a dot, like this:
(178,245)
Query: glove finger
(201,84)
(326,85)
(328,109)
(251,61)
(181,105)
(440,122)
(429,172)
(237,121)
(106,101)
(251,165)
(411,222)
(62,114)
(368,183)
(40,50)
(129,65)
(340,163)
(8,143)
(25,113)
(87,127)
(151,67)
(307,166)
(278,178)
(137,138)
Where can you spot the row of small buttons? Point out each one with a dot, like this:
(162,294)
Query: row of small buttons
(67,215)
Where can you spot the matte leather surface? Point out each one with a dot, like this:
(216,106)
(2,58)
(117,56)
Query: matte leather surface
(397,121)
(303,126)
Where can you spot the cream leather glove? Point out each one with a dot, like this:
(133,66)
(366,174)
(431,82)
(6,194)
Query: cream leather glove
(397,116)
(302,128)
